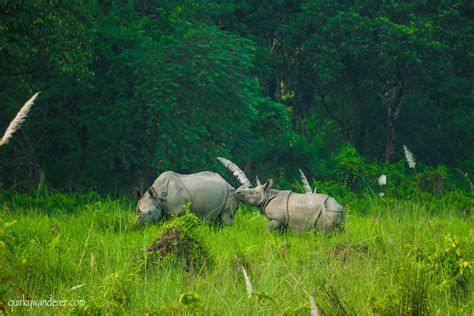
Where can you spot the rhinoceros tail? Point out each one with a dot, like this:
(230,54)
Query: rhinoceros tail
(306,186)
(236,171)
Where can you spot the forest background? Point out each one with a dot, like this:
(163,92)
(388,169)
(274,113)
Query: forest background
(131,89)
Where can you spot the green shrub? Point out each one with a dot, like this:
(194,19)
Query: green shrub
(7,267)
(112,295)
(449,261)
(191,301)
(424,274)
(410,296)
(179,243)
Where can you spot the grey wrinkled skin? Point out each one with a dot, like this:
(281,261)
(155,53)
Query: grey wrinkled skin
(211,197)
(297,212)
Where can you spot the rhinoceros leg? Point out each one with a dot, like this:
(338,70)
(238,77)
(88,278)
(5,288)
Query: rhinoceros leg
(227,218)
(227,214)
(274,224)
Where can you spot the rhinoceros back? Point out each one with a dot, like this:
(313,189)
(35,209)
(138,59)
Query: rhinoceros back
(304,210)
(207,192)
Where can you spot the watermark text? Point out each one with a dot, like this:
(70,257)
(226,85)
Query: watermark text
(50,303)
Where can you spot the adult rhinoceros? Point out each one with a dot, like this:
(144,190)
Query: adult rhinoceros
(211,197)
(287,209)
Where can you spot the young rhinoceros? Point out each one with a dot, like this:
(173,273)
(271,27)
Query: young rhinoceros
(211,197)
(286,209)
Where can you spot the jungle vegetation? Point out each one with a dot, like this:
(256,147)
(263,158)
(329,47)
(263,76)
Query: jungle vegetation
(131,89)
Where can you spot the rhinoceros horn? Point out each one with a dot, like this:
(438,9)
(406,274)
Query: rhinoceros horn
(236,171)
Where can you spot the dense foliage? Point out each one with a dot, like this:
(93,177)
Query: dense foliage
(131,89)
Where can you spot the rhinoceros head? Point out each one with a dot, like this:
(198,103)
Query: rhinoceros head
(246,193)
(253,196)
(149,207)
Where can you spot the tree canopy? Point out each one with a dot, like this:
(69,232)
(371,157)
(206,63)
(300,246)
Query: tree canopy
(131,89)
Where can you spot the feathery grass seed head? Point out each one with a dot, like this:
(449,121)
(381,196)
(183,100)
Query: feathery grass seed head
(382,180)
(248,285)
(18,120)
(409,157)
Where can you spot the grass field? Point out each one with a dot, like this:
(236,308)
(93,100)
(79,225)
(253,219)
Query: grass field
(395,257)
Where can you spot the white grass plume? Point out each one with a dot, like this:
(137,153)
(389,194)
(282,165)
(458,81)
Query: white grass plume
(382,180)
(314,307)
(91,262)
(306,186)
(248,285)
(236,171)
(409,157)
(75,287)
(19,118)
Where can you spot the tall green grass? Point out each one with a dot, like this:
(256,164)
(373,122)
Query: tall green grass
(396,257)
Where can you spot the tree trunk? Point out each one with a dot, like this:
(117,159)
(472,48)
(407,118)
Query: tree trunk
(342,124)
(392,99)
(272,87)
(389,137)
(363,112)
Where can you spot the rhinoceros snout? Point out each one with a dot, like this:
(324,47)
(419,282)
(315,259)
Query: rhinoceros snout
(138,222)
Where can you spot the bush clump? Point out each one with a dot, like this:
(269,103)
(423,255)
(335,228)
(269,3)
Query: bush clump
(425,274)
(112,295)
(178,242)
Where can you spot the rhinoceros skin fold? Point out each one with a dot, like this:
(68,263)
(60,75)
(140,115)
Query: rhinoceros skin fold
(209,195)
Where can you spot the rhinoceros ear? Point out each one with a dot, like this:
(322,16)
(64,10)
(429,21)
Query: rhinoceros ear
(258,181)
(269,183)
(156,195)
(152,192)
